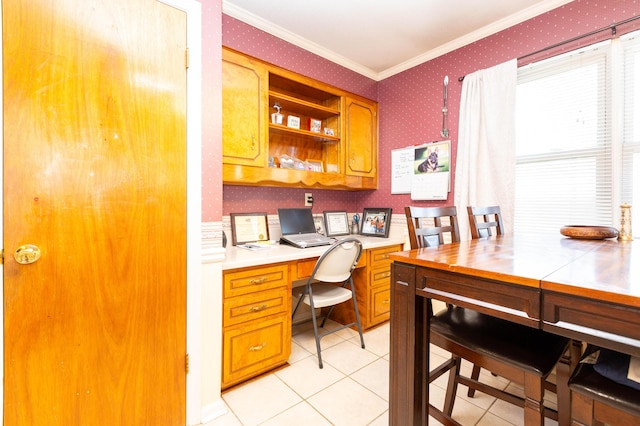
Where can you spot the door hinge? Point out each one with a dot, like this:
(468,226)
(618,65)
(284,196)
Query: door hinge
(186,58)
(186,364)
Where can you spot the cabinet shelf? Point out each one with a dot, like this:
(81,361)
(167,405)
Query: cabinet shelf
(300,106)
(284,130)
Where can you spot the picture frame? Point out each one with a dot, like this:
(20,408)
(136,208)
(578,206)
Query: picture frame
(314,165)
(319,222)
(376,222)
(249,228)
(336,223)
(328,131)
(293,122)
(315,125)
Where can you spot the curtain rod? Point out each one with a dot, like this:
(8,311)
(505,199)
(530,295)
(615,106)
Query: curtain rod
(611,27)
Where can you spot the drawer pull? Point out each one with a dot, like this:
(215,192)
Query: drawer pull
(257,308)
(386,274)
(386,302)
(258,280)
(385,256)
(257,347)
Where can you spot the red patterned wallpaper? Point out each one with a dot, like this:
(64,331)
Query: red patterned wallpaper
(410,102)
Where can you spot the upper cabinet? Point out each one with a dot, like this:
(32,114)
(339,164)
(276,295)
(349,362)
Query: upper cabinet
(323,138)
(244,98)
(361,124)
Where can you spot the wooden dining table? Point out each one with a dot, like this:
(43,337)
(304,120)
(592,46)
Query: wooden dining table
(588,290)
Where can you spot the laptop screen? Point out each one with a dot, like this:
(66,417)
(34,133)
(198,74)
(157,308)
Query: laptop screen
(296,221)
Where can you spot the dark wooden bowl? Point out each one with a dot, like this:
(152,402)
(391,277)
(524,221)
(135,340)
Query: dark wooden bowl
(589,232)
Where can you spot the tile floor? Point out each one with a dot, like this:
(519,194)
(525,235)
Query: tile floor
(352,389)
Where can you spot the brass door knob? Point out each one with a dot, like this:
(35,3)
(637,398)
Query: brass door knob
(27,254)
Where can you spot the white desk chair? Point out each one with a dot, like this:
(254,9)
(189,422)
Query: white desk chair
(333,267)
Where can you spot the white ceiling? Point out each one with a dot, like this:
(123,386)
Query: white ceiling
(380,38)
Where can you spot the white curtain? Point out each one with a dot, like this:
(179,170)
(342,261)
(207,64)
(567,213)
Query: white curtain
(486,161)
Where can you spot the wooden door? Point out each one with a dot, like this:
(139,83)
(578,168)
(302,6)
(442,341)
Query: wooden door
(361,138)
(244,106)
(95,176)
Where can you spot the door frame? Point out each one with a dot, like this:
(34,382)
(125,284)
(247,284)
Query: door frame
(193,11)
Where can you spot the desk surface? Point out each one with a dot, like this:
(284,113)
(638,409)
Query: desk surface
(237,257)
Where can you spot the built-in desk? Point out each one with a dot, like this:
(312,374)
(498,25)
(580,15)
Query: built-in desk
(256,324)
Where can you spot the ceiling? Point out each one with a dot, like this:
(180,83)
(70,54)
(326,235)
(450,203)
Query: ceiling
(380,38)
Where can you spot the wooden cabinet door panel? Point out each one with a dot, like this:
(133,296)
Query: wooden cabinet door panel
(244,111)
(361,138)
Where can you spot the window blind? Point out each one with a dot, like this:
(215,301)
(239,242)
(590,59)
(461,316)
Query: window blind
(631,126)
(563,142)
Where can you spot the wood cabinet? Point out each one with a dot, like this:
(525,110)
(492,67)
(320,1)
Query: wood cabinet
(256,150)
(361,122)
(244,85)
(256,321)
(372,289)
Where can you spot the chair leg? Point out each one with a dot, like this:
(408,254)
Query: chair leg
(355,308)
(452,387)
(315,331)
(533,404)
(300,299)
(475,375)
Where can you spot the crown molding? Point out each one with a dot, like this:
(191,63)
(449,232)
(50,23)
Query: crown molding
(493,28)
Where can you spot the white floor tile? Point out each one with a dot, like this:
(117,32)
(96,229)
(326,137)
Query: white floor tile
(302,413)
(307,379)
(260,400)
(348,403)
(375,377)
(347,357)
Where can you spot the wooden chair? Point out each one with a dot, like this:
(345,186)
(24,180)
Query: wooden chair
(421,235)
(598,400)
(491,218)
(516,352)
(481,221)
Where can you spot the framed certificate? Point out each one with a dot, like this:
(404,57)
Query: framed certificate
(336,223)
(249,227)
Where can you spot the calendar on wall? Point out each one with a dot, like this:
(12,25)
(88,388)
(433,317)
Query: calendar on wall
(422,171)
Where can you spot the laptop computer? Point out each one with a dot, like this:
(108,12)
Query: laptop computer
(299,229)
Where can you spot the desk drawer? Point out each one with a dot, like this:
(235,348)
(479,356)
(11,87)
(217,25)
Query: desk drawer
(304,268)
(249,280)
(379,257)
(381,277)
(603,323)
(381,301)
(254,348)
(513,302)
(256,305)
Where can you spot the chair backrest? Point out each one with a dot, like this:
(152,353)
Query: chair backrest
(429,236)
(491,218)
(337,263)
